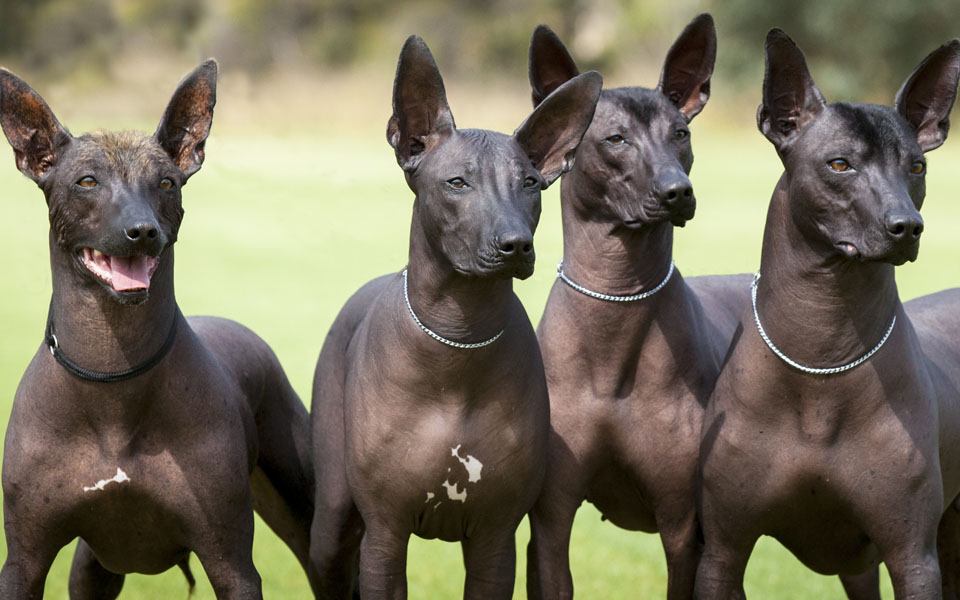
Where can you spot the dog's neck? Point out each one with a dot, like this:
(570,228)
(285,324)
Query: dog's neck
(820,310)
(99,333)
(611,259)
(455,306)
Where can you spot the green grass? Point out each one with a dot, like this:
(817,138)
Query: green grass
(280,231)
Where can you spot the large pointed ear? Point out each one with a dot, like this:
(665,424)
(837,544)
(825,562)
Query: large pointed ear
(551,134)
(185,125)
(421,116)
(791,99)
(685,79)
(926,97)
(37,137)
(550,64)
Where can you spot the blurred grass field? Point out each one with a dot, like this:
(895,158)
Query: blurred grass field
(281,228)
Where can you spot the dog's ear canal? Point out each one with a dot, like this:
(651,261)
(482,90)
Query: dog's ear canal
(186,122)
(550,64)
(421,116)
(551,134)
(926,97)
(37,137)
(791,99)
(685,79)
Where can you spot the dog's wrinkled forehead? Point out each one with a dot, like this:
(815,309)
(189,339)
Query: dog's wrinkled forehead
(125,154)
(481,149)
(875,132)
(642,104)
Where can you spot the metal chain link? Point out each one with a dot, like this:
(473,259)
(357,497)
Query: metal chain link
(804,368)
(437,336)
(609,297)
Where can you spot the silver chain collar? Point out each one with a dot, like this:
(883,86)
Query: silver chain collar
(798,366)
(437,336)
(609,297)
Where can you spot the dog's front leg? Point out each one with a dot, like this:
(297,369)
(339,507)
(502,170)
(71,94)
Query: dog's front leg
(229,567)
(682,548)
(548,553)
(88,578)
(865,586)
(915,577)
(383,562)
(490,561)
(335,538)
(722,566)
(24,572)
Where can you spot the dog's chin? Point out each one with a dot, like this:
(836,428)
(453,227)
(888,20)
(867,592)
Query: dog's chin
(895,255)
(900,255)
(634,224)
(510,269)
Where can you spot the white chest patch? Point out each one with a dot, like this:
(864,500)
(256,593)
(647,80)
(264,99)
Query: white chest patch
(470,463)
(473,467)
(453,493)
(120,477)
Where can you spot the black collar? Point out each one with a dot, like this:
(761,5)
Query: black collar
(99,376)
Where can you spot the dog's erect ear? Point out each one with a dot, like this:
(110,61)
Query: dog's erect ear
(685,79)
(37,137)
(550,64)
(185,125)
(421,116)
(791,99)
(551,134)
(926,97)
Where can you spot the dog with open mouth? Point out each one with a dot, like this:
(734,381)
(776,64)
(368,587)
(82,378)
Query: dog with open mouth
(146,435)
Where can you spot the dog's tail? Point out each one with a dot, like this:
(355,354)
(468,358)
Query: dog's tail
(191,580)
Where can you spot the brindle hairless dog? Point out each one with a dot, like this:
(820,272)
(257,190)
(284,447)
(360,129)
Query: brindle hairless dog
(849,455)
(133,428)
(629,376)
(430,411)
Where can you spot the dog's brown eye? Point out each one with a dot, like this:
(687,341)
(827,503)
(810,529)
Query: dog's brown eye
(530,182)
(166,183)
(918,168)
(839,165)
(615,139)
(457,183)
(87,182)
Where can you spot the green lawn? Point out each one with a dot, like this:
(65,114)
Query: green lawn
(280,231)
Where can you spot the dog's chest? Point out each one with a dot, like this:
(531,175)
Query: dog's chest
(137,497)
(451,466)
(137,512)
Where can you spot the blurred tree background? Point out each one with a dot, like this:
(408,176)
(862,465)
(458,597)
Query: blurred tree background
(858,48)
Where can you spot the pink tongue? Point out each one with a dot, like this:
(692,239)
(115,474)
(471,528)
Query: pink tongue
(131,272)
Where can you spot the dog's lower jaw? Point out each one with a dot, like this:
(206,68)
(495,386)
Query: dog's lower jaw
(95,284)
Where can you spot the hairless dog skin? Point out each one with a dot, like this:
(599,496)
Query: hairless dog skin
(146,435)
(628,380)
(413,432)
(846,468)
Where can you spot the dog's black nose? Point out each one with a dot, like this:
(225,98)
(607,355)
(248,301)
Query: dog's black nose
(676,192)
(515,244)
(904,225)
(141,232)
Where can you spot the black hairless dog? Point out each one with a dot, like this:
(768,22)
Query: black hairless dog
(135,429)
(834,424)
(631,351)
(430,412)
